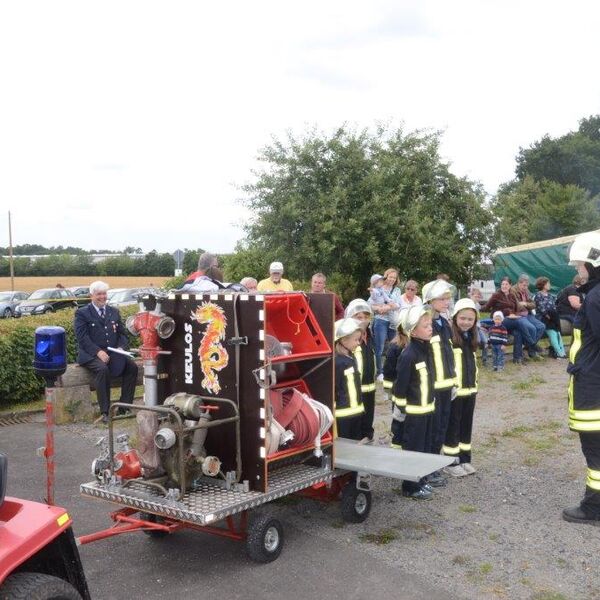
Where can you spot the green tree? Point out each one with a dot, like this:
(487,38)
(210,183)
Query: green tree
(354,202)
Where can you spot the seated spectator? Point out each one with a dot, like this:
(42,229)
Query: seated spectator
(569,299)
(545,308)
(275,281)
(317,286)
(203,280)
(526,305)
(250,284)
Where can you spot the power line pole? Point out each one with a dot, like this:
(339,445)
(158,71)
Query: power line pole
(10,256)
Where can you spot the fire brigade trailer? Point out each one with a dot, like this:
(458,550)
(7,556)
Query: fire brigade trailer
(238,412)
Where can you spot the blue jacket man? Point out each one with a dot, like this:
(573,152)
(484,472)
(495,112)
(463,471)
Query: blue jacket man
(98,327)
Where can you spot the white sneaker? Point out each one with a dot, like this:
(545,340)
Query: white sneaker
(469,468)
(456,471)
(380,377)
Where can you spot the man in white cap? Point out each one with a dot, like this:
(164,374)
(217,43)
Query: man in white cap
(275,281)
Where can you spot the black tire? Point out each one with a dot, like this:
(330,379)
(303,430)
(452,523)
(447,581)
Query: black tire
(264,540)
(7,314)
(37,586)
(355,504)
(48,310)
(153,533)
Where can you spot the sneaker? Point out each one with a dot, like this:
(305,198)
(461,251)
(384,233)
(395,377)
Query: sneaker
(576,514)
(420,494)
(456,471)
(468,468)
(426,487)
(380,377)
(436,479)
(366,440)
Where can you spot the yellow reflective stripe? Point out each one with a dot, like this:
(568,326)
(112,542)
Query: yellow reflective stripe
(592,474)
(440,382)
(422,368)
(396,446)
(412,409)
(451,450)
(465,447)
(368,387)
(358,356)
(466,392)
(399,401)
(62,519)
(354,408)
(584,425)
(584,415)
(593,479)
(387,384)
(575,345)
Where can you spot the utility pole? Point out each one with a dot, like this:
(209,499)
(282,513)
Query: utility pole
(10,256)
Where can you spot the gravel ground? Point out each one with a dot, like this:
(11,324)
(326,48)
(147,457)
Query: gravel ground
(497,533)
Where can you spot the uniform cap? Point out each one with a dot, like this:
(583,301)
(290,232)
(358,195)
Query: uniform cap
(356,306)
(344,327)
(410,317)
(586,248)
(437,289)
(464,303)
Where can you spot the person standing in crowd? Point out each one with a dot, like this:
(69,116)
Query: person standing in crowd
(413,389)
(460,426)
(410,298)
(438,294)
(317,286)
(250,284)
(505,301)
(477,297)
(390,373)
(545,309)
(348,403)
(99,327)
(445,277)
(498,339)
(569,299)
(275,281)
(584,371)
(384,302)
(525,305)
(364,354)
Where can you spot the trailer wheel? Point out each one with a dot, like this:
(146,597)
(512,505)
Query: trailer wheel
(264,539)
(153,533)
(355,504)
(37,586)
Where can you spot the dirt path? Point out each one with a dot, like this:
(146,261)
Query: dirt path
(498,533)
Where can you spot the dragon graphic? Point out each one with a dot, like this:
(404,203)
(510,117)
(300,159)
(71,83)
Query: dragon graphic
(213,357)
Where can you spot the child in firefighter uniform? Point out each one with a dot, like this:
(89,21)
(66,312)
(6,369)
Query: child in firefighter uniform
(584,371)
(437,294)
(348,403)
(390,371)
(413,391)
(364,354)
(465,338)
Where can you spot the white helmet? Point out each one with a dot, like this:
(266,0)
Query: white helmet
(356,306)
(344,327)
(410,317)
(436,289)
(465,303)
(586,248)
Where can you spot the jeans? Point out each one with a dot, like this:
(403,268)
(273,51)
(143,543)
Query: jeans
(540,328)
(498,356)
(524,332)
(382,333)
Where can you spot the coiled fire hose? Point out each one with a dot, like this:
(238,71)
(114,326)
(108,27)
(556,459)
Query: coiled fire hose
(307,419)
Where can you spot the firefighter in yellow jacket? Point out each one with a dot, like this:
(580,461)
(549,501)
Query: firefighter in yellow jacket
(584,371)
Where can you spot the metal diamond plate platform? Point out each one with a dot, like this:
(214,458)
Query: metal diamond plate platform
(208,502)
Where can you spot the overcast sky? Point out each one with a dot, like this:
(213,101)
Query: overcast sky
(132,123)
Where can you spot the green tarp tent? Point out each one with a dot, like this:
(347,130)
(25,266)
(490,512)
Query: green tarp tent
(549,258)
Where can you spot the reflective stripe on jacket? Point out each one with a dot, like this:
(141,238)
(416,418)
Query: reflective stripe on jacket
(466,371)
(443,357)
(347,387)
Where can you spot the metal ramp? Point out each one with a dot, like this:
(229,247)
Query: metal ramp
(386,462)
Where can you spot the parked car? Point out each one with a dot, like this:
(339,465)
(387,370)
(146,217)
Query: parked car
(46,300)
(82,294)
(125,296)
(9,301)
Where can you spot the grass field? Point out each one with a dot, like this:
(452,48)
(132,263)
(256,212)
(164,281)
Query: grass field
(29,284)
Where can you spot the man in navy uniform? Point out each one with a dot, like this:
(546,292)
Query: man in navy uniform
(98,327)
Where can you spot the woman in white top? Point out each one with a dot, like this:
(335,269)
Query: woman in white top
(410,298)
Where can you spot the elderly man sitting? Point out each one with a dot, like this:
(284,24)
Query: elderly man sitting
(275,281)
(203,280)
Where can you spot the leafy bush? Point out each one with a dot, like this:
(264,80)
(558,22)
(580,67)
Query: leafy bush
(18,382)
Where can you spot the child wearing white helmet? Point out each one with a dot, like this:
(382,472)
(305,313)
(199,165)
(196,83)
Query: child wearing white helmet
(364,354)
(413,391)
(465,339)
(348,403)
(438,294)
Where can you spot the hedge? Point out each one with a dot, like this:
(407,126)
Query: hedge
(18,382)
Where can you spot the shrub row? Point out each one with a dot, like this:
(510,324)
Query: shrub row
(18,382)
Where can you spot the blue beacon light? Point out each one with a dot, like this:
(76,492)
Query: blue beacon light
(50,353)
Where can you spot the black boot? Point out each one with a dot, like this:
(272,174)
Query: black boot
(576,514)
